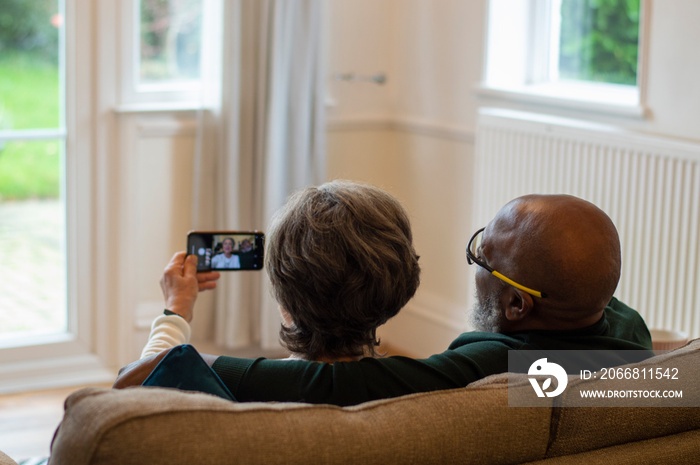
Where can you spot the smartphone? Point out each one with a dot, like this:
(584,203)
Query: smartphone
(227,250)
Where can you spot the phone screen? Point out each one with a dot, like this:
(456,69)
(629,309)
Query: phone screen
(227,250)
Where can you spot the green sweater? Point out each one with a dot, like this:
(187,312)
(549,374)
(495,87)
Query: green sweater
(470,357)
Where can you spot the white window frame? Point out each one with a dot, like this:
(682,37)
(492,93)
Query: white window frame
(521,58)
(77,356)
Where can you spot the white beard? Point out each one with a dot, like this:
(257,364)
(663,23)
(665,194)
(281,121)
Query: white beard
(485,315)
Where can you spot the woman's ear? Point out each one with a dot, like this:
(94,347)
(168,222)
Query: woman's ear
(519,304)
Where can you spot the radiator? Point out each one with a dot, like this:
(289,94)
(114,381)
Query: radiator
(650,187)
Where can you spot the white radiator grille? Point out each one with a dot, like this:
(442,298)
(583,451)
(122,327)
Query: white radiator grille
(650,187)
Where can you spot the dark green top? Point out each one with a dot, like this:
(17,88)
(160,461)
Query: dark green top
(470,357)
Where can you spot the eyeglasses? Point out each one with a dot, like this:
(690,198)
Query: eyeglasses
(472,257)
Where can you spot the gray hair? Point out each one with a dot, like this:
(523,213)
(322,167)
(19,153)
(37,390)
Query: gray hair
(341,261)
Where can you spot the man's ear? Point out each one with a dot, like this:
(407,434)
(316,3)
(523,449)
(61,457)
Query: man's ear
(518,304)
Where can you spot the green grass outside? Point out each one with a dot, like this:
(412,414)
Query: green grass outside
(30,170)
(29,99)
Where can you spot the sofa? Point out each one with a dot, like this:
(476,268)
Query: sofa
(6,459)
(467,425)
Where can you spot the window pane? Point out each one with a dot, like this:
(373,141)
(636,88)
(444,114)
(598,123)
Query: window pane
(29,77)
(170,40)
(29,170)
(32,239)
(599,40)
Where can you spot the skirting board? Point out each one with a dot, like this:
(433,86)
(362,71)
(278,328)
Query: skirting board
(54,373)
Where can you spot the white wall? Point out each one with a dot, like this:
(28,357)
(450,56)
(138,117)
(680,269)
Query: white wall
(673,94)
(414,136)
(156,165)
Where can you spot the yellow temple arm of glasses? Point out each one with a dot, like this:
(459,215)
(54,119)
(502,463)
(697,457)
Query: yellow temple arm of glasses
(516,285)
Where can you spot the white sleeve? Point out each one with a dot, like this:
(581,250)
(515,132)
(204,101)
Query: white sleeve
(167,331)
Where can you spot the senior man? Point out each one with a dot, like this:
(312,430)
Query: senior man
(548,266)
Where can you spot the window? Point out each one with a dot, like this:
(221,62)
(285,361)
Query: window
(163,54)
(47,287)
(33,275)
(575,52)
(598,41)
(169,44)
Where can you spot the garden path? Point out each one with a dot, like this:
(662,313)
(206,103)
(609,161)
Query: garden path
(32,267)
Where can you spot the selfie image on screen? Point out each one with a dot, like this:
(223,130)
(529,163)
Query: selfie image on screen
(226,251)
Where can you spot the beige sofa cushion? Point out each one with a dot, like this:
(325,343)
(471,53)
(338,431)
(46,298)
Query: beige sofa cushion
(577,429)
(678,449)
(138,425)
(5,460)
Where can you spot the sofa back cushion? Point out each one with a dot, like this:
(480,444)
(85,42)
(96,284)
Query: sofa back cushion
(6,460)
(592,425)
(586,425)
(157,425)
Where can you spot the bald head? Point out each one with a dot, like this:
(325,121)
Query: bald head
(561,245)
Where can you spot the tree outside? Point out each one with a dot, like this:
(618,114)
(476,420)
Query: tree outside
(599,40)
(170,40)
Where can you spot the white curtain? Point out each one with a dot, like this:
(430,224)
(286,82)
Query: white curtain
(270,142)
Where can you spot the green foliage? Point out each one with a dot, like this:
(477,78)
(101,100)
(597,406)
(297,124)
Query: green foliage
(26,25)
(170,39)
(599,40)
(154,24)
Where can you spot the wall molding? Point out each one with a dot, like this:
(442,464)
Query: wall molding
(154,129)
(439,130)
(158,107)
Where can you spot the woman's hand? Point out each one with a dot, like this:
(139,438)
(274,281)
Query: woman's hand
(181,283)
